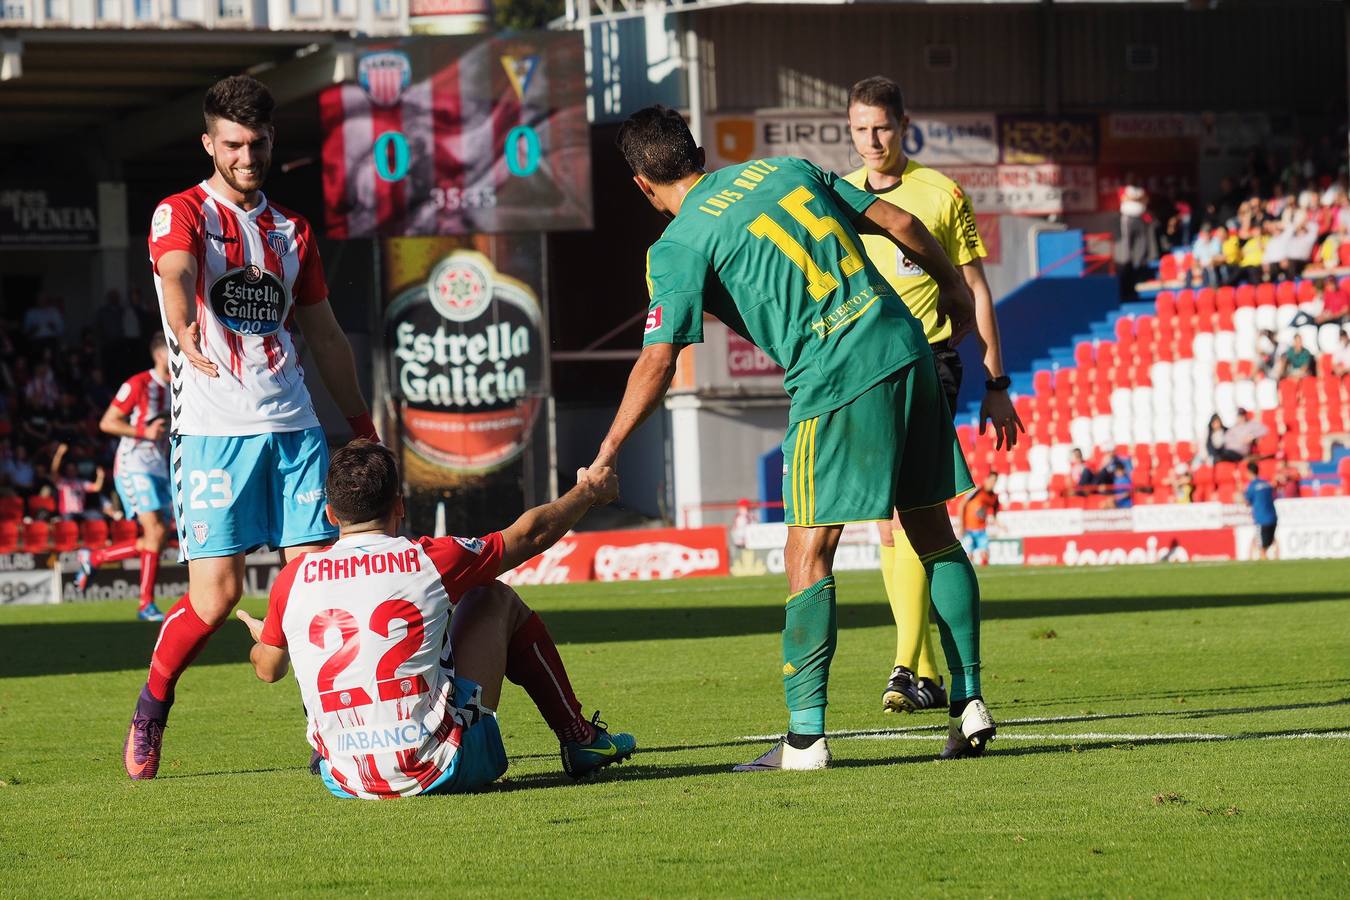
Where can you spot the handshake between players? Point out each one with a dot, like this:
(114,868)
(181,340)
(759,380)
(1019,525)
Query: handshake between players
(401,696)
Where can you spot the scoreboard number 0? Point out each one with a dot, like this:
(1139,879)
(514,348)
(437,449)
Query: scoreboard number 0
(522,149)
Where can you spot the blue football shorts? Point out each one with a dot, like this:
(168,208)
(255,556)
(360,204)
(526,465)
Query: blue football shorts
(975,541)
(142,492)
(236,494)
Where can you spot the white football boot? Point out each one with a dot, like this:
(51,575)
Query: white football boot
(969,733)
(782,755)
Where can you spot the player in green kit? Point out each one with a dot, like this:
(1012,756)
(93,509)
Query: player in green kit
(772,248)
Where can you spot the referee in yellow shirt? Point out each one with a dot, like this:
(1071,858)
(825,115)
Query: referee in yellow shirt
(877,122)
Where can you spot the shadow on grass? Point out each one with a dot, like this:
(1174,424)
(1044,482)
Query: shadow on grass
(76,647)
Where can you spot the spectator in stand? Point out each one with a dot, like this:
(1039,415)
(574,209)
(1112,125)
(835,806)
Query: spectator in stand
(1121,487)
(1207,251)
(1252,258)
(1300,239)
(1232,256)
(43,323)
(979,512)
(1340,359)
(71,488)
(1225,209)
(1138,247)
(1240,440)
(1298,361)
(1335,306)
(1268,348)
(1288,483)
(19,469)
(42,392)
(1183,484)
(1260,497)
(1080,473)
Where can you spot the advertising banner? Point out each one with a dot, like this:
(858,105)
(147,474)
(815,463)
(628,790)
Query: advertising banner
(1326,541)
(1040,190)
(1038,139)
(644,555)
(64,214)
(847,558)
(1178,517)
(29,587)
(1150,138)
(1128,548)
(934,139)
(455,135)
(467,369)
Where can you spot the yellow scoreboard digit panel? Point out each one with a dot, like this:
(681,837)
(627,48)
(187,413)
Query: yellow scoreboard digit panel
(457,135)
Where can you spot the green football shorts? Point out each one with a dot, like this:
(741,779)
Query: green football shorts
(894,446)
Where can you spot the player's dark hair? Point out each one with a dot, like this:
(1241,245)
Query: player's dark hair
(157,341)
(1253,467)
(239,98)
(881,92)
(363,482)
(657,145)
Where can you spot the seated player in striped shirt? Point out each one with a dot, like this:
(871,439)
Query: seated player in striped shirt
(400,646)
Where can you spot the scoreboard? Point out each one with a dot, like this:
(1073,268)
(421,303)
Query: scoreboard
(459,135)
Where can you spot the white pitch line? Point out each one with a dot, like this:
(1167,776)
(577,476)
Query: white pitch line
(910,735)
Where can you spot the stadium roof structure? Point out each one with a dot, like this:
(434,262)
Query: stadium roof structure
(125,92)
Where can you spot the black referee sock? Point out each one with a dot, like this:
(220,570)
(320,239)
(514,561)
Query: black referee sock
(801,741)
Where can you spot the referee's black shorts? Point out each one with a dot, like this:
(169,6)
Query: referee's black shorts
(948,363)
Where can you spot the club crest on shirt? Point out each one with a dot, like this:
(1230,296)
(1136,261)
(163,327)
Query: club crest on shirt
(277,241)
(904,266)
(249,300)
(200,530)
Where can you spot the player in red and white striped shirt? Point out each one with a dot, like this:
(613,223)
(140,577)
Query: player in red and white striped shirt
(395,707)
(139,415)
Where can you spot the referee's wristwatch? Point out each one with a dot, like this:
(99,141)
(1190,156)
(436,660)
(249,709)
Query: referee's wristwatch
(1001,383)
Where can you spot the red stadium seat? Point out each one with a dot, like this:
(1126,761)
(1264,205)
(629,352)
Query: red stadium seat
(94,532)
(9,536)
(1265,294)
(1286,292)
(38,504)
(11,509)
(1167,268)
(1186,305)
(1223,371)
(36,537)
(1306,290)
(1041,383)
(1082,354)
(1245,295)
(65,536)
(1166,304)
(1225,299)
(123,530)
(1125,330)
(1328,490)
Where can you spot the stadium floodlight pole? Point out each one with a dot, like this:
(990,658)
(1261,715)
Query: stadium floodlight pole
(694,65)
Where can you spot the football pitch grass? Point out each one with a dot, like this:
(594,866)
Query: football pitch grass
(1164,730)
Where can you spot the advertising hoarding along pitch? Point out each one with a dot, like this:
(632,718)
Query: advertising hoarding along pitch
(452,135)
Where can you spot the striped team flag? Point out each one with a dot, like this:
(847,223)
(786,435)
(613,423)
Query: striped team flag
(454,103)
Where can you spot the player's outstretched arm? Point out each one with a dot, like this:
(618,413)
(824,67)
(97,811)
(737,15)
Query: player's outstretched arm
(647,384)
(337,367)
(269,663)
(541,527)
(178,286)
(954,299)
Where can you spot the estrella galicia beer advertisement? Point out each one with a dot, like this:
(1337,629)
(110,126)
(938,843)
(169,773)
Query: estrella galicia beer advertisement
(464,340)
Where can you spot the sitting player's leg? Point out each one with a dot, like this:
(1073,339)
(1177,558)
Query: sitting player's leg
(498,636)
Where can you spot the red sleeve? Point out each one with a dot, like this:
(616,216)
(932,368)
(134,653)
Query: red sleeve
(272,631)
(465,563)
(128,395)
(175,225)
(310,286)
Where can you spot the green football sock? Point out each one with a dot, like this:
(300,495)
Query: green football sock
(956,605)
(809,634)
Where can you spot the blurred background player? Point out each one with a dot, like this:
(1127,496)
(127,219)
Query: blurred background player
(437,701)
(877,123)
(247,454)
(1260,497)
(139,415)
(978,512)
(772,249)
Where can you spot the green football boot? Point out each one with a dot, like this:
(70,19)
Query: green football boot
(580,760)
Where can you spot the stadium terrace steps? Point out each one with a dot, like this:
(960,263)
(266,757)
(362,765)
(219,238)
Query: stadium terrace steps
(1143,379)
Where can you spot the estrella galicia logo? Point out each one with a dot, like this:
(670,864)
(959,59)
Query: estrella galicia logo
(249,300)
